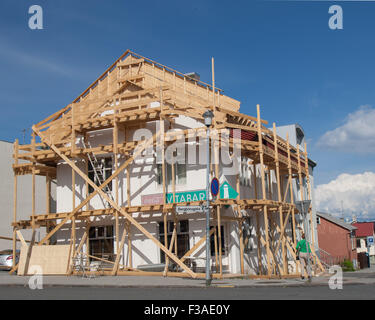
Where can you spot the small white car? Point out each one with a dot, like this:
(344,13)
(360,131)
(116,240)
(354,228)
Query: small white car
(6,259)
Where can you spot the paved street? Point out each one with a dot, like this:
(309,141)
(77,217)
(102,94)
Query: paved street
(356,285)
(359,292)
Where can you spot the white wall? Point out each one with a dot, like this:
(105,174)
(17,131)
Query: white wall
(143,182)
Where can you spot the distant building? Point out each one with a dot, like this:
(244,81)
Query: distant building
(365,230)
(337,240)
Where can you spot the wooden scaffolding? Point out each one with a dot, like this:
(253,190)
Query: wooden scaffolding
(121,97)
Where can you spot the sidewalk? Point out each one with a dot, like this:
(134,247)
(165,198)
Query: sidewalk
(152,282)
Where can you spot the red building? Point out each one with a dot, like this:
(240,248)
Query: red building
(337,241)
(365,230)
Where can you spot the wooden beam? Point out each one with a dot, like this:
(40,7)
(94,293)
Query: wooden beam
(116,207)
(266,230)
(118,252)
(173,242)
(197,245)
(283,252)
(88,181)
(22,239)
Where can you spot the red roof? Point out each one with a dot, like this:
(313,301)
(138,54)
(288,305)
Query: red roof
(365,229)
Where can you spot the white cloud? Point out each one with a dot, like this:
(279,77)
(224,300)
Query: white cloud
(354,193)
(357,134)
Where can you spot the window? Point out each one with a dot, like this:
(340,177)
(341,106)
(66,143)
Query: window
(299,135)
(353,243)
(358,243)
(266,182)
(101,240)
(245,172)
(318,220)
(247,233)
(180,173)
(212,240)
(101,173)
(183,244)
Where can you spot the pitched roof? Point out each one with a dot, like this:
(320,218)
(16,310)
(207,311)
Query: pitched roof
(132,72)
(337,221)
(364,229)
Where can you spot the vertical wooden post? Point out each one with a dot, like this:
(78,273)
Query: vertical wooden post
(309,196)
(166,258)
(175,229)
(73,231)
(118,255)
(301,187)
(128,194)
(291,196)
(240,225)
(213,89)
(217,173)
(115,153)
(128,186)
(86,183)
(257,222)
(48,194)
(260,139)
(15,147)
(279,199)
(33,181)
(162,146)
(73,137)
(130,249)
(162,150)
(218,210)
(88,223)
(266,231)
(216,252)
(173,182)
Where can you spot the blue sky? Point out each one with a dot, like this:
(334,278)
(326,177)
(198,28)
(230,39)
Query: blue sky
(280,54)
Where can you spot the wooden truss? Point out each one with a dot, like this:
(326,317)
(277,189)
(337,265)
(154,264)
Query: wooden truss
(125,95)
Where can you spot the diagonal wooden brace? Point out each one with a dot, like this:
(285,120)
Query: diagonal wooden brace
(114,205)
(95,192)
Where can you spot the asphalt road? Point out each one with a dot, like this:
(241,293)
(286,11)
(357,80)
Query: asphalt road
(360,292)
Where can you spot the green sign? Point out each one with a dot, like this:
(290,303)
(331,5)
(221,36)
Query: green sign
(188,196)
(227,192)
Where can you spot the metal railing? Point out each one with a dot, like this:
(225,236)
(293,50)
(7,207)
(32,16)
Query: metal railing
(328,259)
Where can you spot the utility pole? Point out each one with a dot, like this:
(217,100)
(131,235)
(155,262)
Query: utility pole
(208,115)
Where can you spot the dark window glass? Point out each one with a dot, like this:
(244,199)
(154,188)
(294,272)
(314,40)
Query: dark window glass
(101,242)
(183,244)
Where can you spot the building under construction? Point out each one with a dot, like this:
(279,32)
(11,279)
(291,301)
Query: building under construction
(118,193)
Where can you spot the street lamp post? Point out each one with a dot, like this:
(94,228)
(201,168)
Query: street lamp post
(208,115)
